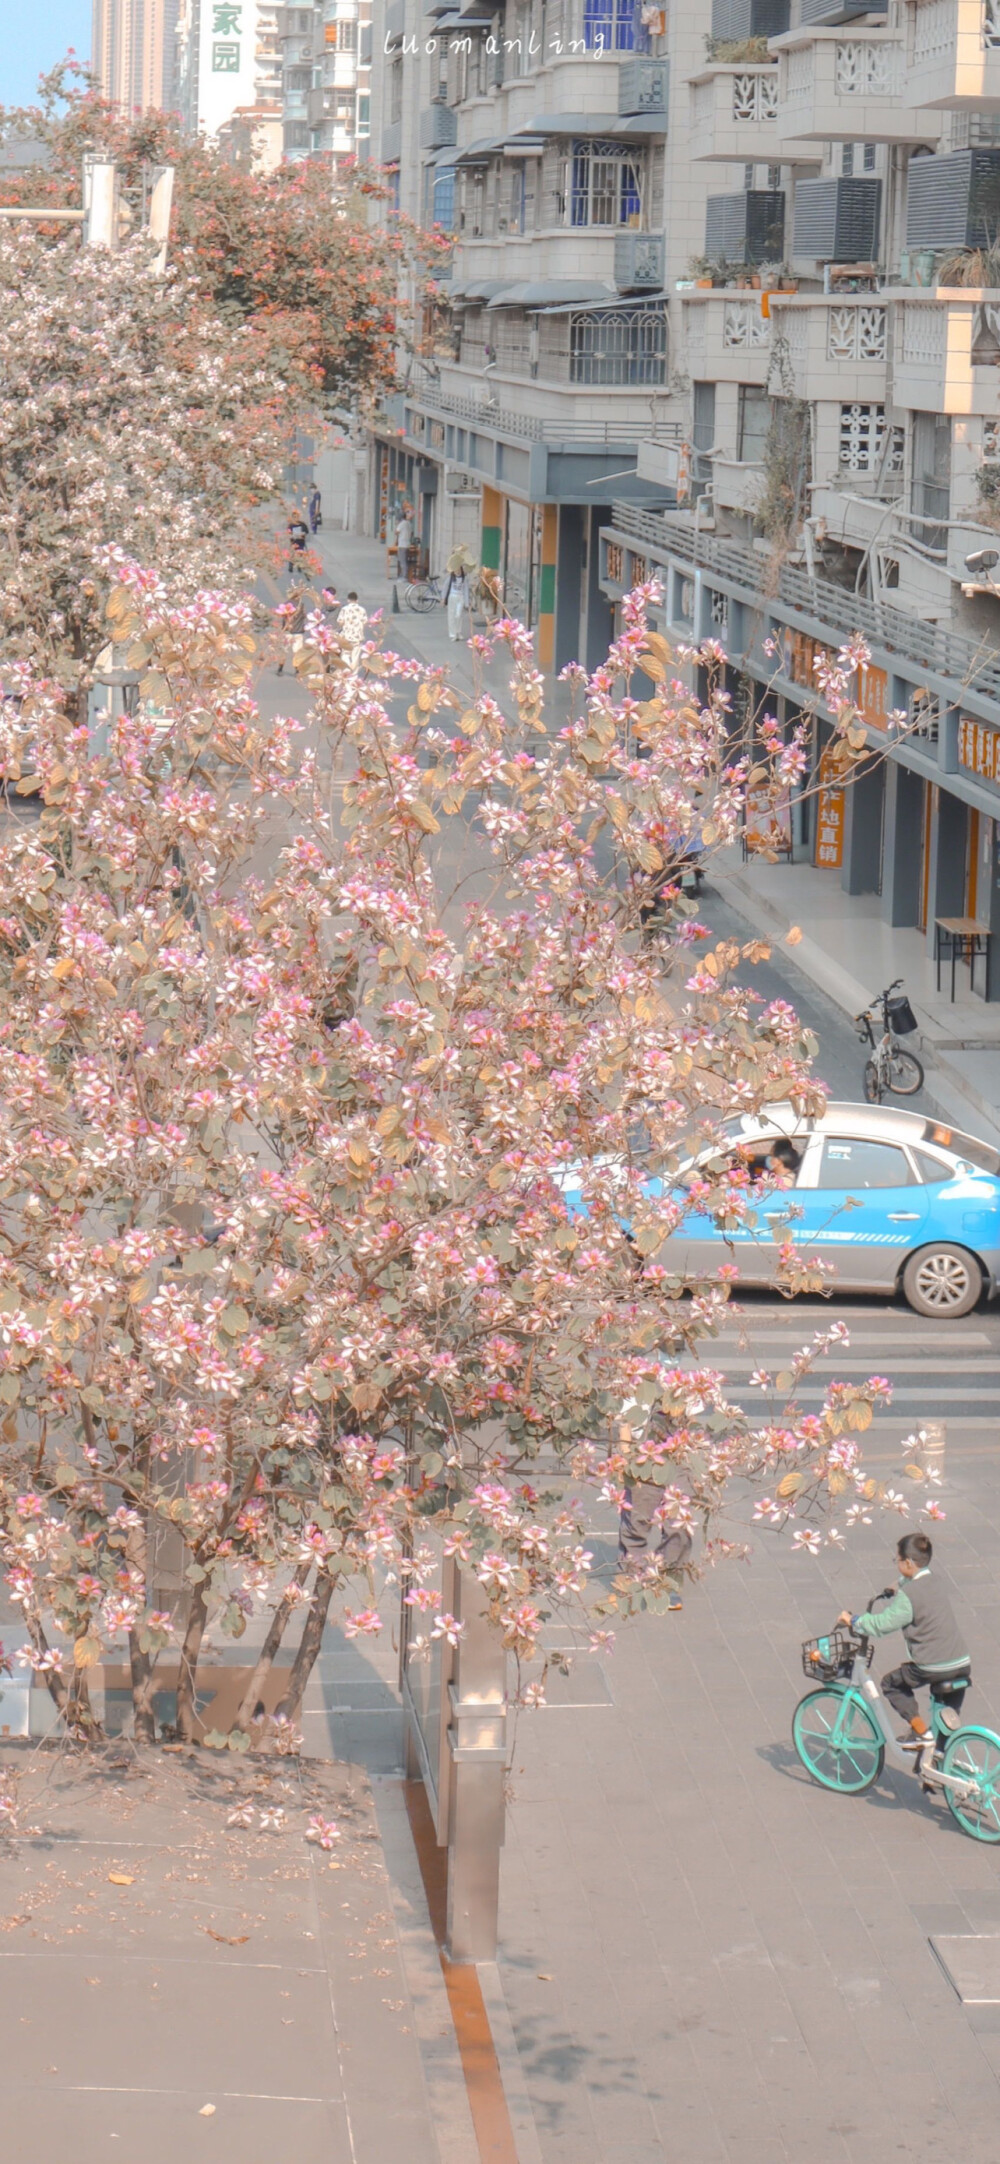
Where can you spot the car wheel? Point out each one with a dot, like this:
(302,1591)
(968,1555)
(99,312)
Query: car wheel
(942,1280)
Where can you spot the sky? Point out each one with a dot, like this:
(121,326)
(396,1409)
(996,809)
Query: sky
(34,34)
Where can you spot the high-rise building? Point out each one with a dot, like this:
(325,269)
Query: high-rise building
(133,44)
(725,308)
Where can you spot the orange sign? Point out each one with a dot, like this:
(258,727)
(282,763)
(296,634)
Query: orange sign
(829,851)
(979,748)
(800,654)
(872,691)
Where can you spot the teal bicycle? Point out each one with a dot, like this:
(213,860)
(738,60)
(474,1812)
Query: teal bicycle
(843,1732)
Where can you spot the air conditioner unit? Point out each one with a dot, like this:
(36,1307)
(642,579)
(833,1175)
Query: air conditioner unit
(640,262)
(954,201)
(438,126)
(643,86)
(734,20)
(825,13)
(837,221)
(746,228)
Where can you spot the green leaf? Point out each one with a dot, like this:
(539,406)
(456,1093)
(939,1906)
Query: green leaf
(237,1741)
(214,1740)
(235,1320)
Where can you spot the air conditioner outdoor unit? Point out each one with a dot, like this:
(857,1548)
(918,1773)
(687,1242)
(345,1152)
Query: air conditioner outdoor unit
(954,201)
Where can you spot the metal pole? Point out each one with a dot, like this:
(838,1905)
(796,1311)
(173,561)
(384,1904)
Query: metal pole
(477,1743)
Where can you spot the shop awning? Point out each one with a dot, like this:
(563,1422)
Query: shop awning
(445,156)
(616,301)
(544,293)
(605,125)
(478,153)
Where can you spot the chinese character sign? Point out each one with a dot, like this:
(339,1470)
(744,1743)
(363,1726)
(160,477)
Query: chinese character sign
(226,60)
(829,846)
(979,748)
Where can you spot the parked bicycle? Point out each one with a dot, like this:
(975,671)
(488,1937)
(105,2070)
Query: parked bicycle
(422,595)
(890,1067)
(843,1730)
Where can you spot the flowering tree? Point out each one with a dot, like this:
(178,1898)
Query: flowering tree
(332,1067)
(129,415)
(292,251)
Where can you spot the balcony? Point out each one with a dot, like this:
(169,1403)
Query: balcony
(834,87)
(829,349)
(953,53)
(946,351)
(737,485)
(734,112)
(727,339)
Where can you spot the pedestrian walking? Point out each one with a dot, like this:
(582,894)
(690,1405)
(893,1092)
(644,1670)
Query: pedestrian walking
(404,537)
(352,624)
(292,616)
(457,593)
(315,509)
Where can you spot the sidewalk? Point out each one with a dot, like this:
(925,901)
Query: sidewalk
(849,951)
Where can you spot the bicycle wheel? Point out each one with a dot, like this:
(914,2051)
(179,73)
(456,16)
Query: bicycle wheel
(974,1756)
(872,1085)
(838,1741)
(906,1075)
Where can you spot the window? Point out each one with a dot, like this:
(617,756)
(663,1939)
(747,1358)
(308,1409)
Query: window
(847,159)
(605,185)
(443,204)
(517,199)
(748,178)
(364,114)
(774,178)
(703,430)
(344,110)
(620,346)
(613,26)
(347,37)
(754,423)
(931,1170)
(868,157)
(395,92)
(931,483)
(857,1166)
(861,431)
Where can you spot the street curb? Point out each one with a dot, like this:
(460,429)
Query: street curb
(953,1097)
(449,2110)
(522,2119)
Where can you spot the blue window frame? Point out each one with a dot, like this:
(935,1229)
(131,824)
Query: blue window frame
(443,213)
(614,26)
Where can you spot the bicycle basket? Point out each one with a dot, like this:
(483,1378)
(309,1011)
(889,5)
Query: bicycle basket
(901,1016)
(825,1658)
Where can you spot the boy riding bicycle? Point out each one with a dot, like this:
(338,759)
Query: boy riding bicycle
(921,1609)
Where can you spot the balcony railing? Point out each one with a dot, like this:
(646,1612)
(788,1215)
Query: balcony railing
(963,662)
(537,428)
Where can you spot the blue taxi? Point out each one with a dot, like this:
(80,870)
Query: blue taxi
(891,1199)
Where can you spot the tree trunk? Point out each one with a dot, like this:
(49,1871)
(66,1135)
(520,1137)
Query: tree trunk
(275,1633)
(80,1714)
(141,1665)
(186,1700)
(309,1645)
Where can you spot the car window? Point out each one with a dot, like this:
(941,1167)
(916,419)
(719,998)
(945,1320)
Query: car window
(931,1170)
(857,1164)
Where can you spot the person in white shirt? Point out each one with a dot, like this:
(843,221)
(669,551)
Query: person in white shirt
(404,537)
(457,600)
(352,624)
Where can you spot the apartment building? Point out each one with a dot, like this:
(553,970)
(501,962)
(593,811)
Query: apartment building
(326,80)
(725,307)
(227,75)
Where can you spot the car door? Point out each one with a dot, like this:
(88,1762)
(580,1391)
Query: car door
(699,1247)
(862,1208)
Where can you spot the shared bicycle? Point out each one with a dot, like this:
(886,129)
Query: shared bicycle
(843,1732)
(890,1067)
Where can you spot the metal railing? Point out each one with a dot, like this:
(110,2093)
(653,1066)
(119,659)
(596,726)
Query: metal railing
(960,661)
(537,428)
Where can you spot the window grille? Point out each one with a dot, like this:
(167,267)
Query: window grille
(614,26)
(618,346)
(605,186)
(444,198)
(862,429)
